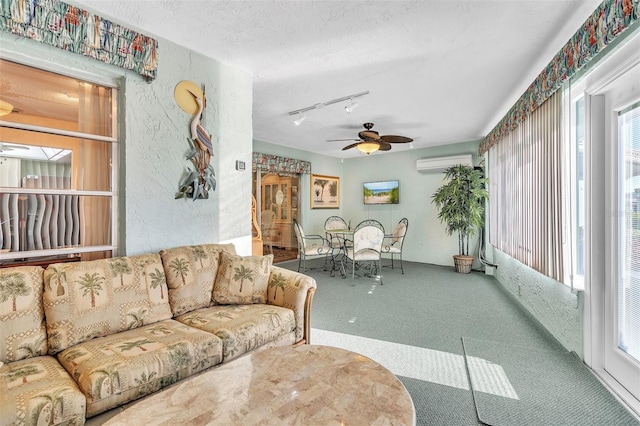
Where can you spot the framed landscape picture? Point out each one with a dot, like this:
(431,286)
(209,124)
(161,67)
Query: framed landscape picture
(325,192)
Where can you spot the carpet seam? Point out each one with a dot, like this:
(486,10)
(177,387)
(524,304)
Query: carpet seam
(473,393)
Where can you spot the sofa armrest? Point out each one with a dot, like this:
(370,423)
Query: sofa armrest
(293,290)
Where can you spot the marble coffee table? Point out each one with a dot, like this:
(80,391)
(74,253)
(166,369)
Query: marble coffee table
(306,384)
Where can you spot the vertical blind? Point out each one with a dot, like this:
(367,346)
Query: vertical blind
(525,177)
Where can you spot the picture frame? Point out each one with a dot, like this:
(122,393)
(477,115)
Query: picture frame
(325,192)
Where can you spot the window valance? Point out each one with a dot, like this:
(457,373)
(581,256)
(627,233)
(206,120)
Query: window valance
(67,27)
(280,165)
(608,21)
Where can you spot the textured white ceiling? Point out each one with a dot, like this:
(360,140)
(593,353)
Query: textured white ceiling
(439,71)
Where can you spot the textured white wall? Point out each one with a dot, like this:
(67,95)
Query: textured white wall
(154,145)
(156,132)
(553,304)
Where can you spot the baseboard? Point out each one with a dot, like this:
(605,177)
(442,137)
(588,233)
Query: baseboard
(622,394)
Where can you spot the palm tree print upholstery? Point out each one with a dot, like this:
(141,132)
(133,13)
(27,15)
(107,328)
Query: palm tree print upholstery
(119,267)
(102,297)
(39,391)
(118,368)
(109,326)
(190,272)
(242,279)
(22,330)
(244,328)
(13,285)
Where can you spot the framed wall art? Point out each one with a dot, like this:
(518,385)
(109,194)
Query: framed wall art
(325,192)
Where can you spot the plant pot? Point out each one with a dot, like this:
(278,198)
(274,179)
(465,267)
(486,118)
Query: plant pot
(463,263)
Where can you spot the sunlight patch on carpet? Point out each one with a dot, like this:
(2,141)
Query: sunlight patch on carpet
(490,378)
(439,367)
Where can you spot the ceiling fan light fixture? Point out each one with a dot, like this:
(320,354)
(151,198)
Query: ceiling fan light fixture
(298,121)
(368,147)
(5,108)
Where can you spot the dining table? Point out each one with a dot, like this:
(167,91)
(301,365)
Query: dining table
(339,239)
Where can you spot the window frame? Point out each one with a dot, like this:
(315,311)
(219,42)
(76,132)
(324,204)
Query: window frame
(112,82)
(574,209)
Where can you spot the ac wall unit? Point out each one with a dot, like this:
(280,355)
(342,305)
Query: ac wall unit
(439,164)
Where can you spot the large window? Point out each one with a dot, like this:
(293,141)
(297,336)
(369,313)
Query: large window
(57,172)
(629,231)
(574,198)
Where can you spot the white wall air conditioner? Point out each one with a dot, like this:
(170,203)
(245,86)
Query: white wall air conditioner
(439,164)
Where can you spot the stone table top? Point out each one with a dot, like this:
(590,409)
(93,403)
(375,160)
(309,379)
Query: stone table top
(306,384)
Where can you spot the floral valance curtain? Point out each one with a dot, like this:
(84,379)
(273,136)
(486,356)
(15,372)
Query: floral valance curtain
(280,165)
(608,21)
(67,27)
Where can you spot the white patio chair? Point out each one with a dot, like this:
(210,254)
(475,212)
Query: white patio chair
(310,246)
(334,223)
(366,246)
(392,244)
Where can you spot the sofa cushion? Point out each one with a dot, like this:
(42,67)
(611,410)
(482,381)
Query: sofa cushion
(113,370)
(23,333)
(96,298)
(243,328)
(242,280)
(190,272)
(39,391)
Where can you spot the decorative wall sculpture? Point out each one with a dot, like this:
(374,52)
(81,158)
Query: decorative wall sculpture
(67,27)
(199,181)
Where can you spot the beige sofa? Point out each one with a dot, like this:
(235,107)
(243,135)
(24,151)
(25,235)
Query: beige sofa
(78,339)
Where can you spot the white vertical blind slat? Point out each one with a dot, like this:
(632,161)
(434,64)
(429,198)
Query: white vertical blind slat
(526,172)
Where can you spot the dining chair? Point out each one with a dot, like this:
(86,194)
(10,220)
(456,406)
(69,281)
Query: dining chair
(366,246)
(392,244)
(310,246)
(334,223)
(270,231)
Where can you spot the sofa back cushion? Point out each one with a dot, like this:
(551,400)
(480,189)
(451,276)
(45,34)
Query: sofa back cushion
(242,280)
(22,329)
(191,272)
(96,298)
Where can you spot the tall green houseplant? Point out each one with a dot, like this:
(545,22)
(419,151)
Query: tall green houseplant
(460,202)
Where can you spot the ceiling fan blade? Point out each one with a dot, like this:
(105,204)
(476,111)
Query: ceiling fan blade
(353,145)
(8,146)
(384,146)
(395,139)
(343,140)
(369,135)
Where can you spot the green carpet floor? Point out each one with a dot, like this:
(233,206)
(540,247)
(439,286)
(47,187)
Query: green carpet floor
(432,308)
(528,386)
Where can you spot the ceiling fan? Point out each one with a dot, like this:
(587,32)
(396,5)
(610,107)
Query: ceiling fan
(370,141)
(10,147)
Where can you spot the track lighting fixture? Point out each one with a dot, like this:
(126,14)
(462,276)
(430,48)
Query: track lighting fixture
(321,105)
(353,105)
(298,121)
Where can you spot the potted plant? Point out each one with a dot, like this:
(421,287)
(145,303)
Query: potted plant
(461,203)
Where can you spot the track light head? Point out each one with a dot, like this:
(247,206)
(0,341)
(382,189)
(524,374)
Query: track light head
(349,108)
(298,121)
